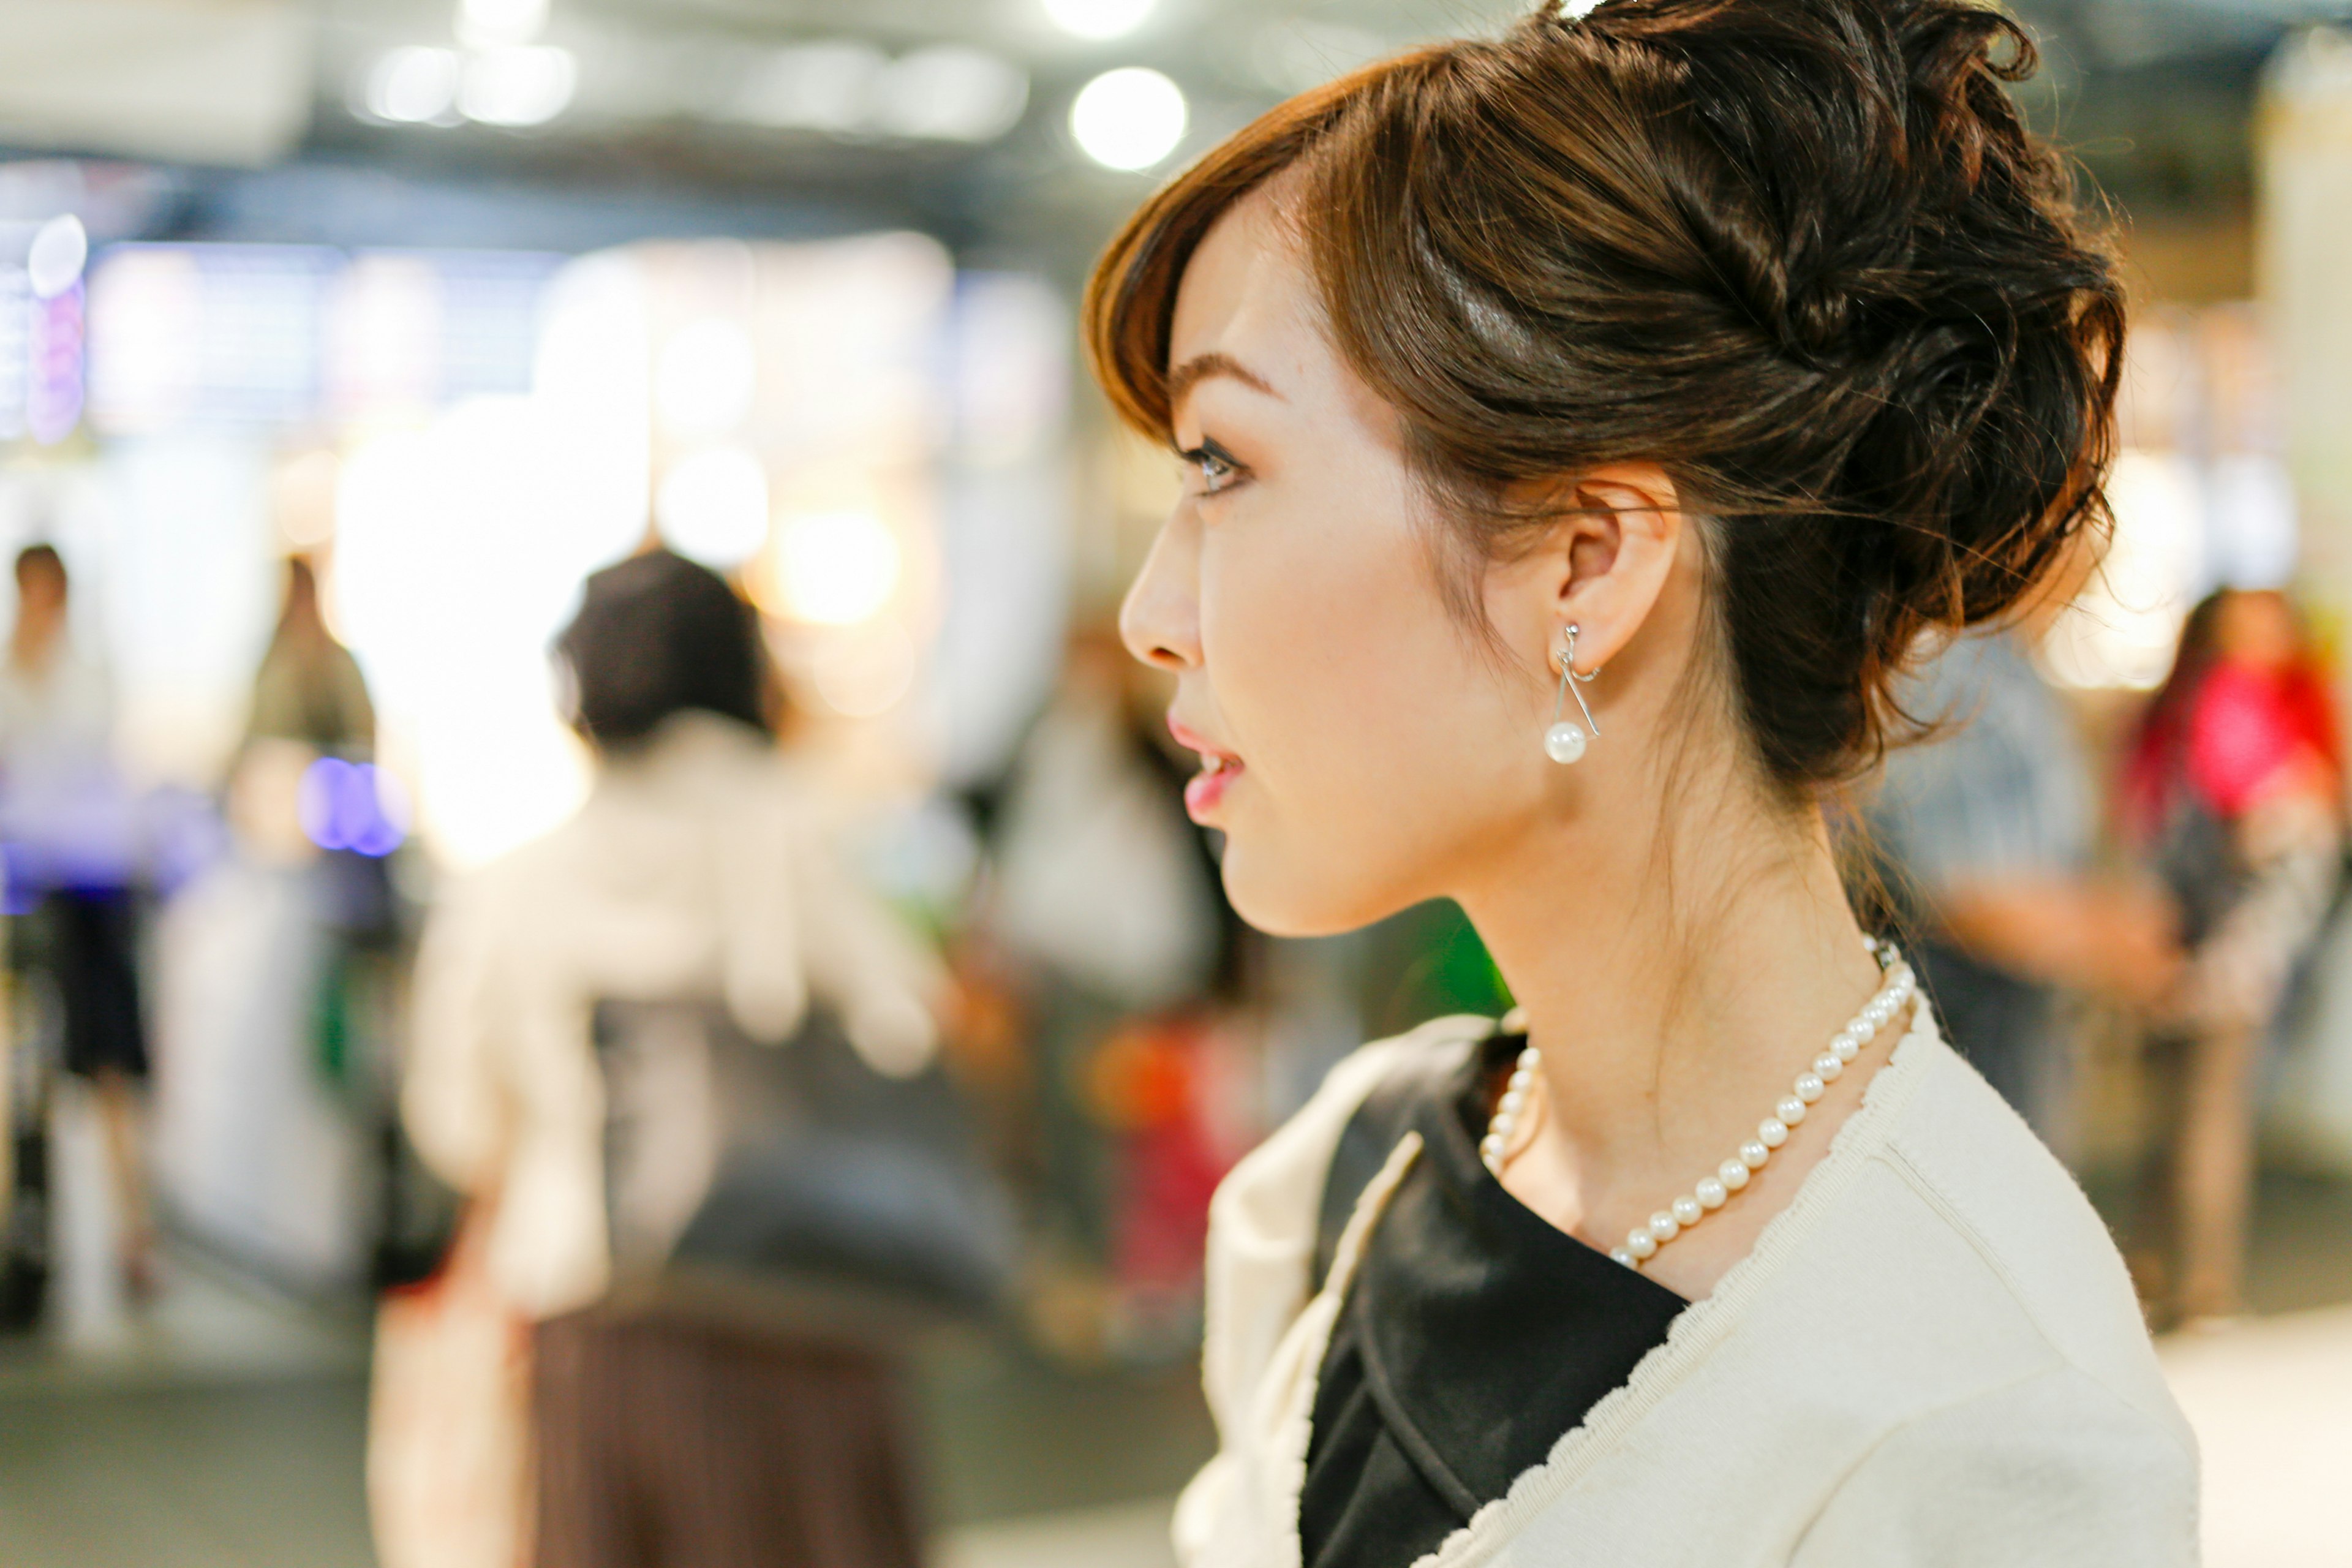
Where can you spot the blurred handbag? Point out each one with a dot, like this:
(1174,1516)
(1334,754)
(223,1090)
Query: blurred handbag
(791,1186)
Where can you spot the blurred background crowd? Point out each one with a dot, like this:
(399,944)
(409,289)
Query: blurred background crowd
(602,491)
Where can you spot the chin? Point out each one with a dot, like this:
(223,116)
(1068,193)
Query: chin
(1282,898)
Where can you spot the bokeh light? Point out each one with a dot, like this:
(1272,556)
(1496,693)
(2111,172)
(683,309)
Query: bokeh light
(518,87)
(836,569)
(713,507)
(1129,119)
(2120,630)
(709,374)
(352,805)
(500,24)
(59,250)
(1098,18)
(413,86)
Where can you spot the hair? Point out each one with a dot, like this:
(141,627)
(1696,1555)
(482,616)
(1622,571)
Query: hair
(656,635)
(1803,253)
(40,558)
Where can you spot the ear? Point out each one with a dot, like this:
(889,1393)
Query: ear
(1604,566)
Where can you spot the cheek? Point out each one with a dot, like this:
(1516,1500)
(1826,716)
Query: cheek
(1370,728)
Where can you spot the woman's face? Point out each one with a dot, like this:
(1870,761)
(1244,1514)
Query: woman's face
(1361,751)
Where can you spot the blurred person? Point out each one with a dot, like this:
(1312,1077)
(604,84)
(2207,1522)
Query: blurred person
(693,872)
(1580,428)
(309,687)
(1105,898)
(1983,837)
(67,819)
(2233,790)
(310,702)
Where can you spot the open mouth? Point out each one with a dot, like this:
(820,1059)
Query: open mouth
(1219,770)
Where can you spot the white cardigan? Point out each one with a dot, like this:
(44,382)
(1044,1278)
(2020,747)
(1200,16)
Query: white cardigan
(696,868)
(1933,1356)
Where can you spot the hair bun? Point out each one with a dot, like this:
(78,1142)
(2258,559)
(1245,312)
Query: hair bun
(1900,239)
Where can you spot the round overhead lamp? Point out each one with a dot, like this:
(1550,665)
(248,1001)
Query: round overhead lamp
(1129,119)
(1098,19)
(413,86)
(60,249)
(499,24)
(518,87)
(949,93)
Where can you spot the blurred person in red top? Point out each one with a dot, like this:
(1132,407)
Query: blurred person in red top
(2233,789)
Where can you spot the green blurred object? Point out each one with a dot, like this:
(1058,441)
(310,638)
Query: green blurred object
(1427,962)
(332,1023)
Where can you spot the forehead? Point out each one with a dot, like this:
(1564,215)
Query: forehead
(1248,293)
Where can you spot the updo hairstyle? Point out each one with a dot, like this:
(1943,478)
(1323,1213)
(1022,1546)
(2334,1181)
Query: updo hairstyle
(1803,253)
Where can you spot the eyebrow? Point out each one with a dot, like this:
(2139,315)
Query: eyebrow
(1202,367)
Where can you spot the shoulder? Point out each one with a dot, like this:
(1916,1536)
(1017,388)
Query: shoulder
(1279,1184)
(1262,1220)
(1983,1303)
(2053,1469)
(1995,1190)
(1952,1354)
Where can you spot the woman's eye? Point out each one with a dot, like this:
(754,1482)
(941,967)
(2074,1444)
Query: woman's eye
(1215,470)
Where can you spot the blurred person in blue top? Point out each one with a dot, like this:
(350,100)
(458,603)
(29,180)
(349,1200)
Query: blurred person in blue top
(1985,837)
(70,829)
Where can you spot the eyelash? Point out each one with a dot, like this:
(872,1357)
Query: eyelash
(1203,457)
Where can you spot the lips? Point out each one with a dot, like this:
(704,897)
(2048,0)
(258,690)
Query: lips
(1219,771)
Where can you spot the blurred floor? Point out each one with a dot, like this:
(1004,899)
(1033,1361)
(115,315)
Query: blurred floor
(225,1426)
(2272,1402)
(227,1430)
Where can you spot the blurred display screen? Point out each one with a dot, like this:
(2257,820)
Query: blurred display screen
(217,334)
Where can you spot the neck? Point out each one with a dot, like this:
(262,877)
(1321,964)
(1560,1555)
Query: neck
(1675,977)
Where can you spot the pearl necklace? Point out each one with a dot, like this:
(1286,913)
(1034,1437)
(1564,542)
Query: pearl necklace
(1713,1192)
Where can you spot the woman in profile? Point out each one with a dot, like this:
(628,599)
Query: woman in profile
(1581,430)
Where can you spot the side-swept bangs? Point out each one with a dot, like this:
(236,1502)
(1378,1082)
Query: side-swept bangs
(1130,299)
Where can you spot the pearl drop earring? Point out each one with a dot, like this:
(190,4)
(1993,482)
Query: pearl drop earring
(1564,742)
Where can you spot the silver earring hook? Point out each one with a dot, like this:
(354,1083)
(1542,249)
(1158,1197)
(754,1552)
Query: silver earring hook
(1569,680)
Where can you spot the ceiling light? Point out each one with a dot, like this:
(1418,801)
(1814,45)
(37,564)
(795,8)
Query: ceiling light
(815,87)
(704,383)
(1129,119)
(1098,18)
(518,87)
(60,248)
(500,24)
(949,93)
(713,507)
(411,85)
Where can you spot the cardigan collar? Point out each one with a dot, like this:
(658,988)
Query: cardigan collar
(1694,1335)
(1485,1330)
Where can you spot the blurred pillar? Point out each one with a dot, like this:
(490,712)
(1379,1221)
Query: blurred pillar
(2304,148)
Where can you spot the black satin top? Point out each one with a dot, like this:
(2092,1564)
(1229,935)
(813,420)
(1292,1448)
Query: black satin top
(1474,1335)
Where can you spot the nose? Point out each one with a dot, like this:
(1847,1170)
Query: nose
(1160,621)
